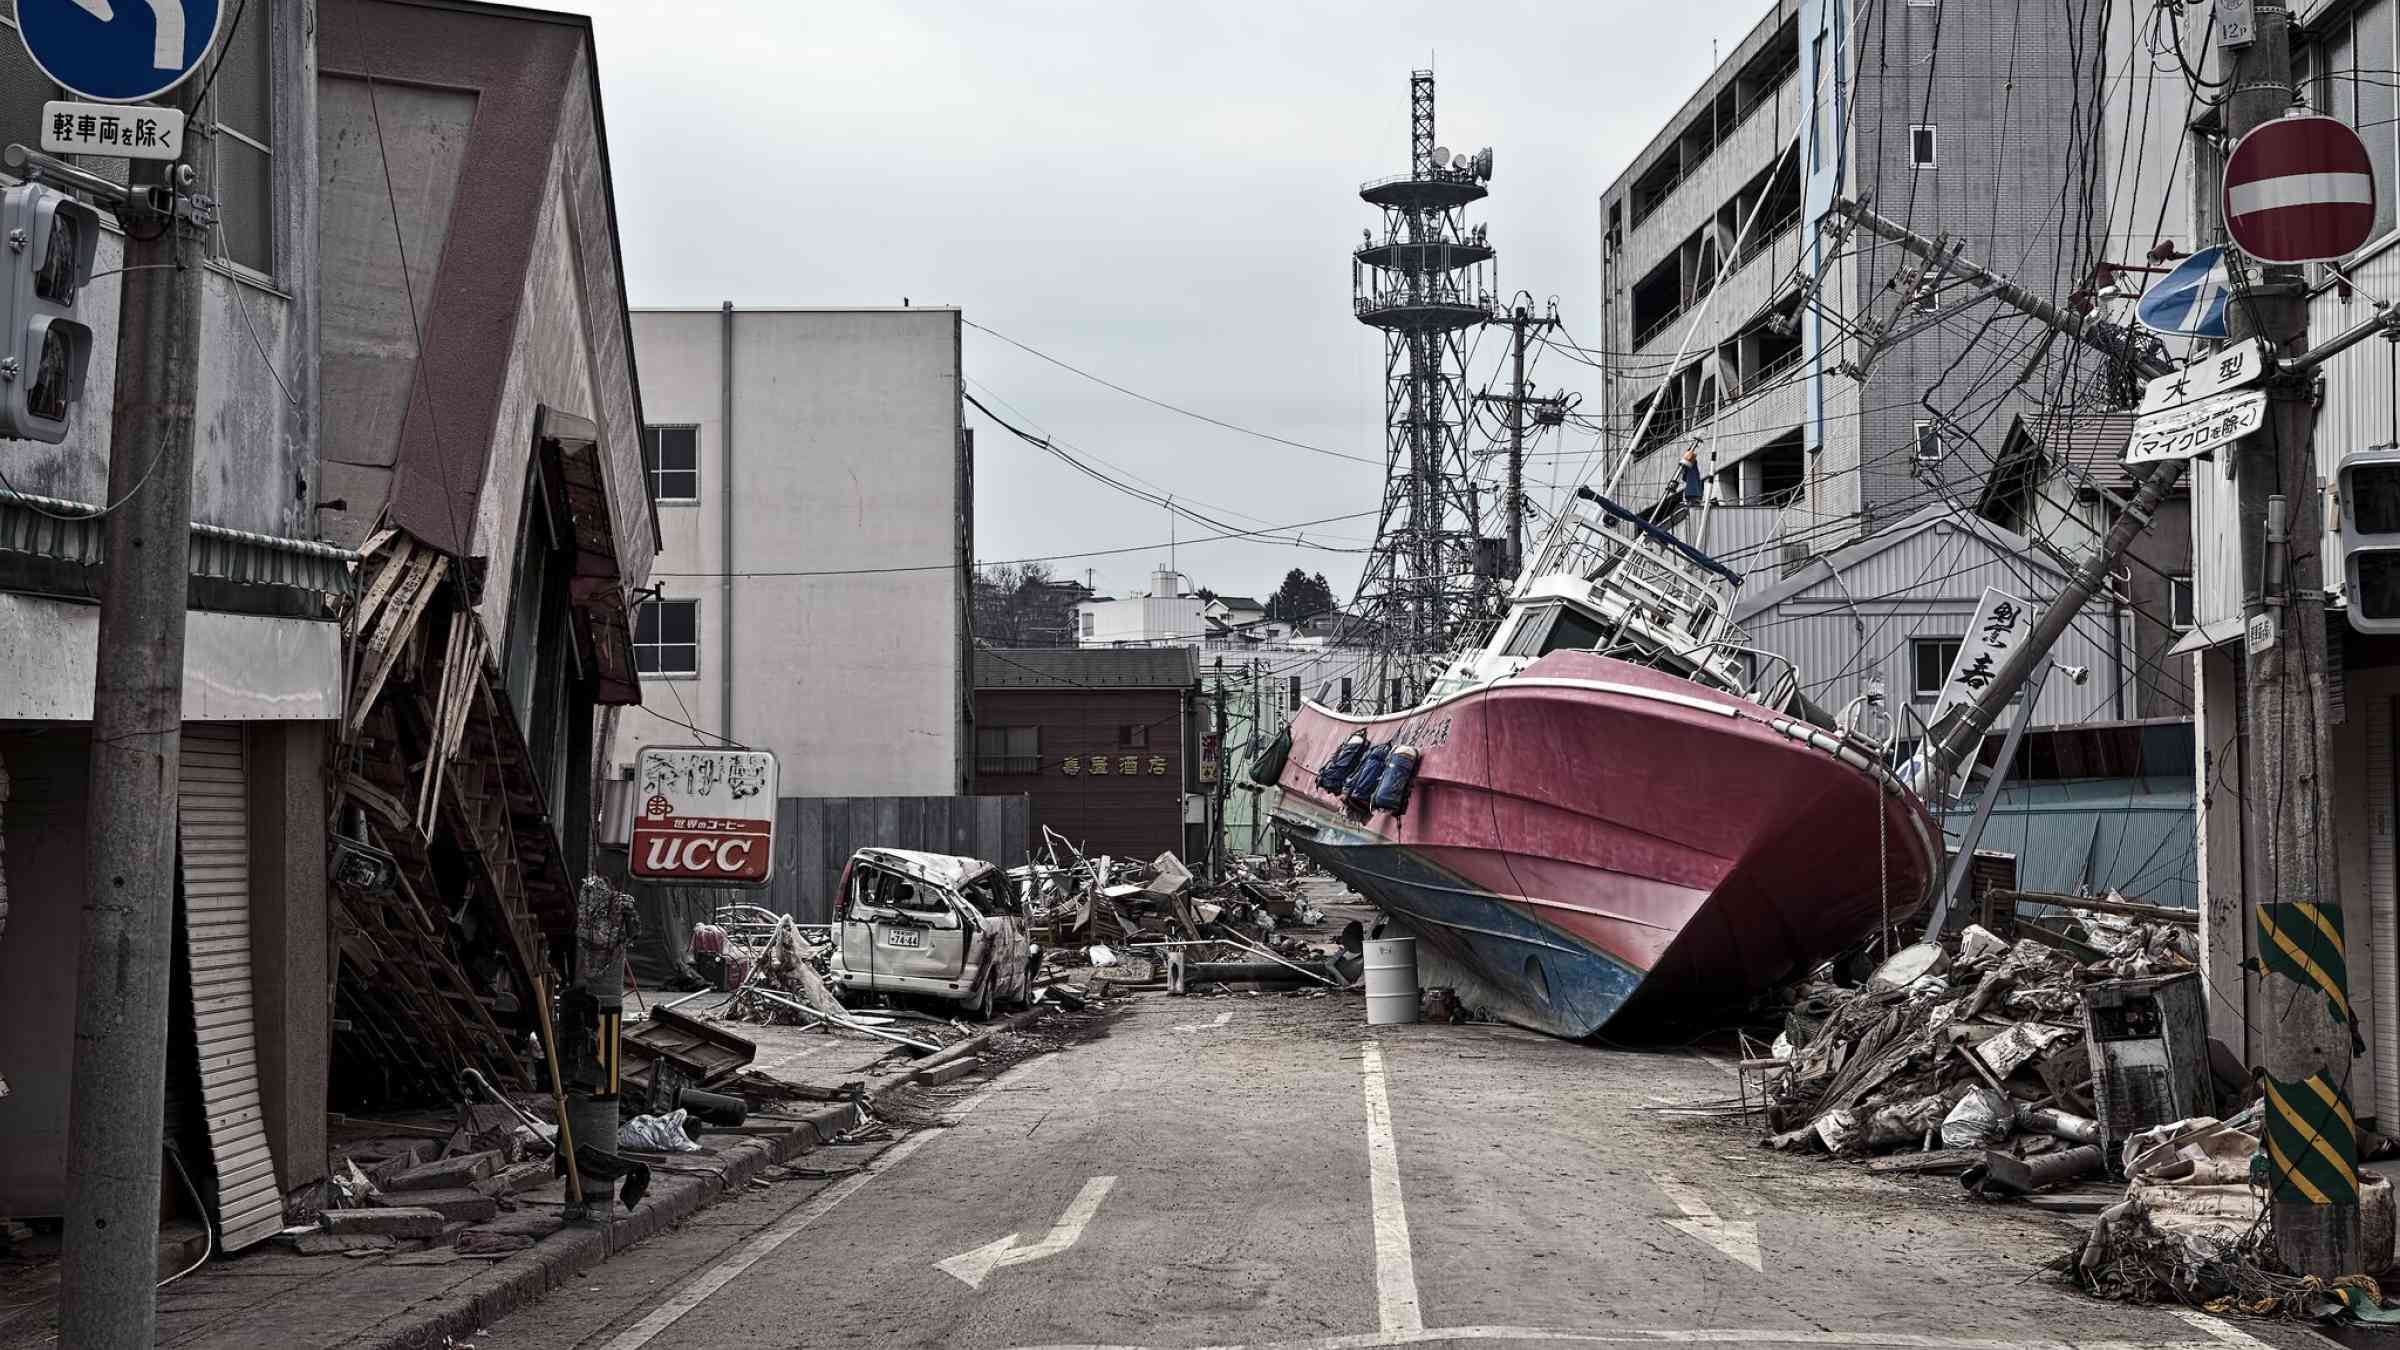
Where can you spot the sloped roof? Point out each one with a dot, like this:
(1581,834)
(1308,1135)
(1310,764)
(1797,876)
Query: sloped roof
(1087,668)
(2088,446)
(1842,559)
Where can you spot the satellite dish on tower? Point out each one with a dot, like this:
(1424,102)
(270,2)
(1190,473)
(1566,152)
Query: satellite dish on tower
(1458,162)
(1483,164)
(1441,156)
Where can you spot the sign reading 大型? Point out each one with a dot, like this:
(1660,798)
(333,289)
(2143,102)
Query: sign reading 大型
(110,129)
(2231,368)
(119,51)
(2001,622)
(704,815)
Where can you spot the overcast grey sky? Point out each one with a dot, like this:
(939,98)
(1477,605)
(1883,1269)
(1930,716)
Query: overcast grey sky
(1163,194)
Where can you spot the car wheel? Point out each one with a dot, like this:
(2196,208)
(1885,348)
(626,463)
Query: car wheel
(981,1009)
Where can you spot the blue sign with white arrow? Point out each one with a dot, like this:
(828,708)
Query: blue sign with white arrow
(119,51)
(2189,301)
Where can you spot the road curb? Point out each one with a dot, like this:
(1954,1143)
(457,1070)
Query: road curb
(559,1259)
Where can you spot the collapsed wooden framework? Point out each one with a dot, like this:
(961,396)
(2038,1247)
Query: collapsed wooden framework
(437,968)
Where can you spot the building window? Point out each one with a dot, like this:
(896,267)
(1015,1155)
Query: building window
(1921,146)
(1006,750)
(240,110)
(1134,737)
(666,637)
(1087,623)
(1931,659)
(672,455)
(1928,442)
(2179,601)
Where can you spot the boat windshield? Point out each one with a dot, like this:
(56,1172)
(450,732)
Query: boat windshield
(1552,628)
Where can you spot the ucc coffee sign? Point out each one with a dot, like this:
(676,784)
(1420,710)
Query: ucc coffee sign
(705,816)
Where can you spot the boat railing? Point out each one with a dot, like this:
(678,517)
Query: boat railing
(1675,586)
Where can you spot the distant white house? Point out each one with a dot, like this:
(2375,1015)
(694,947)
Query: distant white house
(1165,616)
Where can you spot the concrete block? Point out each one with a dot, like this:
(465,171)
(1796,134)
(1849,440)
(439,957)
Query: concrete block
(516,1180)
(446,1173)
(333,1244)
(950,1072)
(454,1203)
(400,1222)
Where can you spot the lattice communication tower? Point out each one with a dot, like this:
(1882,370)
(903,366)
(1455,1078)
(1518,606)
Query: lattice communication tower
(1424,277)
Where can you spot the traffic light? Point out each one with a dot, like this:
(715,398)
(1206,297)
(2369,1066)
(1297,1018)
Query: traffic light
(2368,482)
(50,240)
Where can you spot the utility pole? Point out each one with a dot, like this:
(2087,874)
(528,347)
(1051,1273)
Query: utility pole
(116,1112)
(1548,412)
(1217,775)
(2291,862)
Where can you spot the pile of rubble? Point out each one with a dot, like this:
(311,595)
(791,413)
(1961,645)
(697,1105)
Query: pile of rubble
(1971,1053)
(1246,930)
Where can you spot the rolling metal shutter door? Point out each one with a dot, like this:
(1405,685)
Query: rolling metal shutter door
(213,824)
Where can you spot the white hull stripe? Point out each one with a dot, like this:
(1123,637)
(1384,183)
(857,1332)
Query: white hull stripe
(2300,189)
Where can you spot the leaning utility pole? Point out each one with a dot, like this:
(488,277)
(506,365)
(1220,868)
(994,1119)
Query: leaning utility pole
(116,1110)
(2287,807)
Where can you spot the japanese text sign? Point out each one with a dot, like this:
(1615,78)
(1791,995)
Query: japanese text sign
(107,129)
(705,815)
(2001,622)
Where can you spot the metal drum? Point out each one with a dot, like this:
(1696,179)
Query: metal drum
(1391,981)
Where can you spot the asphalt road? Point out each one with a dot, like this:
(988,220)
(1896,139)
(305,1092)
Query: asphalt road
(1263,1172)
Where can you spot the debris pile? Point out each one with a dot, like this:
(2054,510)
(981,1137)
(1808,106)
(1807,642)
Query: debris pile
(2193,1229)
(1970,1054)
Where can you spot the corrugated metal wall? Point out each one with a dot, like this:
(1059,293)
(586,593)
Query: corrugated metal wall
(1925,586)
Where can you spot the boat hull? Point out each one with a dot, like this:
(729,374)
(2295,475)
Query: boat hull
(1591,841)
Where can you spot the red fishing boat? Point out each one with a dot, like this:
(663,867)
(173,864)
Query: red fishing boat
(1616,805)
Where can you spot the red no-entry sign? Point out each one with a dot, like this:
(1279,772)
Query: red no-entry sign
(2299,189)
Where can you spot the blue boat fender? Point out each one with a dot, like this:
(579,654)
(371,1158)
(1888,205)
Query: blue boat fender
(1399,775)
(1365,777)
(1337,769)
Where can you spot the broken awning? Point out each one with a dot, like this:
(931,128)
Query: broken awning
(77,532)
(2205,636)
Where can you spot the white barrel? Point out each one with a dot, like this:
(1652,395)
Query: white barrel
(1391,981)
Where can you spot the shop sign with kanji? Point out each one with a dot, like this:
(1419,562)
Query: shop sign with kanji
(129,132)
(2001,622)
(705,814)
(1101,766)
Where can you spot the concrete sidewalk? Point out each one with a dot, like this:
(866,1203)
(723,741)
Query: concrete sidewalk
(271,1295)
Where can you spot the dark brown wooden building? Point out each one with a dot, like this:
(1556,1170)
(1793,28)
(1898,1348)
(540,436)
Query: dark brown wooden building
(1101,738)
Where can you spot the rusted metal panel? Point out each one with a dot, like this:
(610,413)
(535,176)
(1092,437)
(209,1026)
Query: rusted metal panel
(213,828)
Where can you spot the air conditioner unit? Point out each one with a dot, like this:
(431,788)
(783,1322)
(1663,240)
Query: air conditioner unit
(2148,1039)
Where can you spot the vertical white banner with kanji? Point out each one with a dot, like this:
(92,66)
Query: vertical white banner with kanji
(2001,622)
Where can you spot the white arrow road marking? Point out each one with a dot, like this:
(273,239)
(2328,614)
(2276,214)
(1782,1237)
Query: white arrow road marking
(1734,1238)
(1222,1019)
(973,1268)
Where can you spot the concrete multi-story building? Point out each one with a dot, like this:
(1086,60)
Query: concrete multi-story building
(815,490)
(1764,367)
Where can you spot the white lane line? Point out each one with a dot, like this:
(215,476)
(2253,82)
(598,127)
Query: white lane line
(1861,1340)
(1715,1063)
(758,1248)
(1395,1264)
(2218,1328)
(1737,1239)
(1222,1019)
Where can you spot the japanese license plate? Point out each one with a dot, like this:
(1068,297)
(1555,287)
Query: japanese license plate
(903,937)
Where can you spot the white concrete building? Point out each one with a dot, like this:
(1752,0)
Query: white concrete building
(1163,616)
(815,491)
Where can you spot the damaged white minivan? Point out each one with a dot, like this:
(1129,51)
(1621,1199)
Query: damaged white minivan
(932,925)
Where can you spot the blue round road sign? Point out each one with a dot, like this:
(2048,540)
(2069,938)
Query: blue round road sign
(119,51)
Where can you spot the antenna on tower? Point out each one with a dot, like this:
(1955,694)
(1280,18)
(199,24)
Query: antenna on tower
(1424,279)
